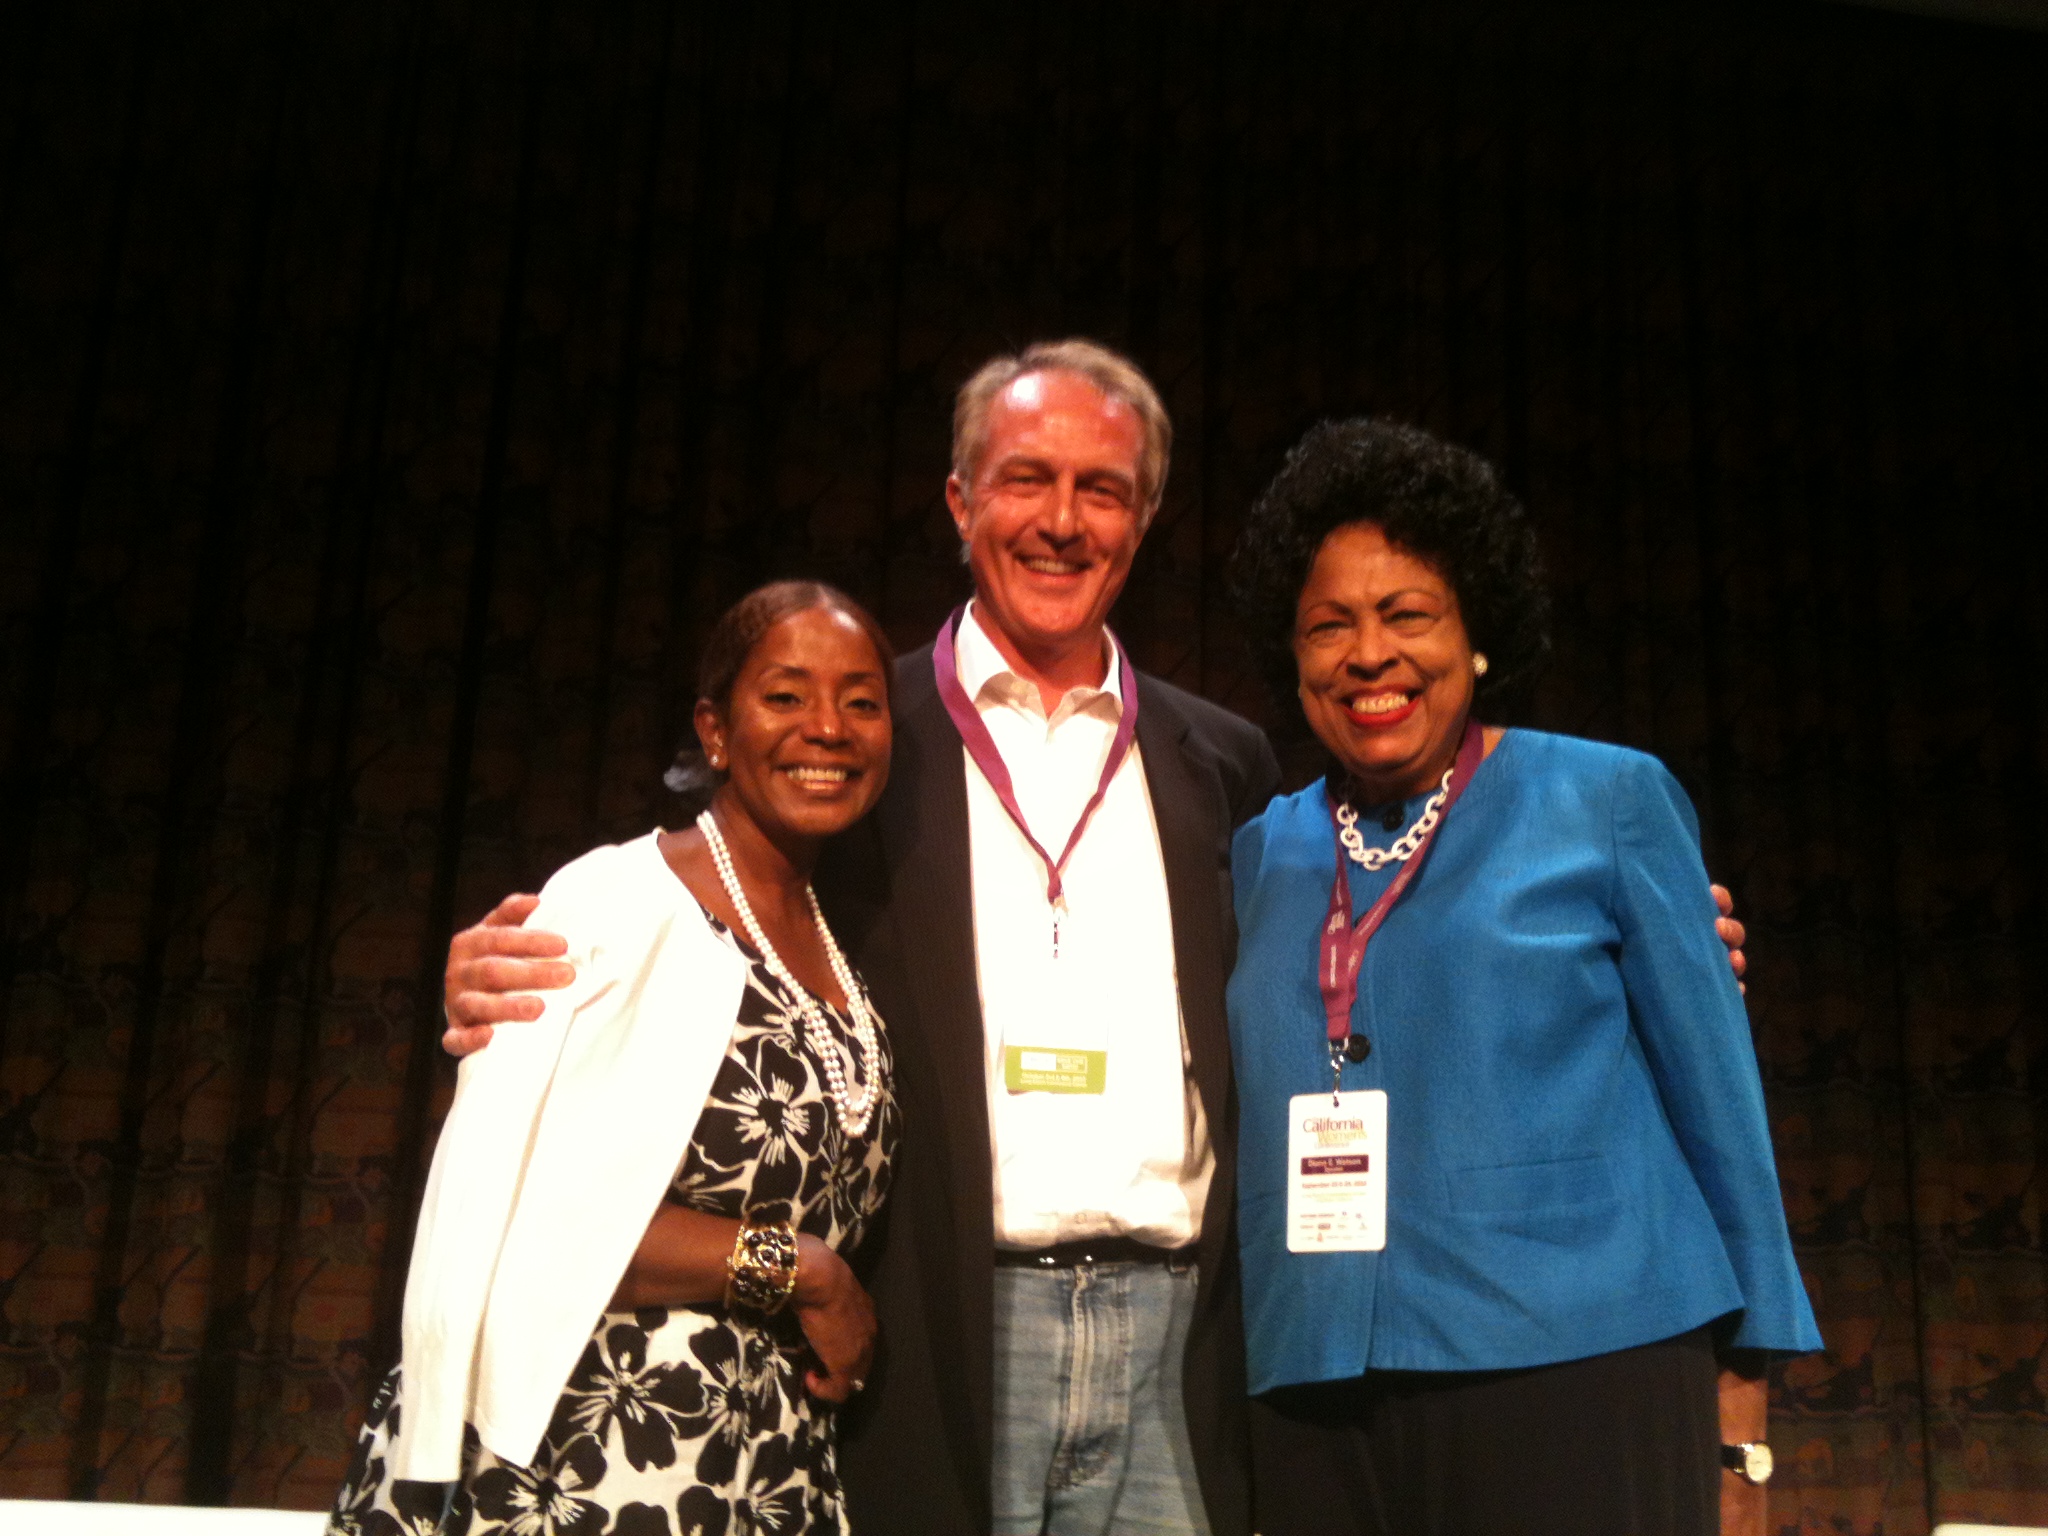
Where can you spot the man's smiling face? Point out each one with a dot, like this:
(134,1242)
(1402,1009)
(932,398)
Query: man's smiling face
(1054,512)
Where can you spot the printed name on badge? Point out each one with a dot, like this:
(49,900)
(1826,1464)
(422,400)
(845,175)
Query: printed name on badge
(1033,1069)
(1337,1172)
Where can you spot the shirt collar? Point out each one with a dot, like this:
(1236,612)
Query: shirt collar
(981,668)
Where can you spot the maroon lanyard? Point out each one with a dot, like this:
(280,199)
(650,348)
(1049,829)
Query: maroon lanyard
(1343,945)
(982,748)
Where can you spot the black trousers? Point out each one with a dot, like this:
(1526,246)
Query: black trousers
(1626,1444)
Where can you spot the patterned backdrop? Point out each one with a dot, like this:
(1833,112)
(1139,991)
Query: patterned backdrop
(392,391)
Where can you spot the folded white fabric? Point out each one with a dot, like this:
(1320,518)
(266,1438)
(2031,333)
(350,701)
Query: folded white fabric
(562,1140)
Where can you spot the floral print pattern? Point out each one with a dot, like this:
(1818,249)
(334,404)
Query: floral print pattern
(682,1421)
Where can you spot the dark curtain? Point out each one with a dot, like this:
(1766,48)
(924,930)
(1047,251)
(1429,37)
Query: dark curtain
(393,393)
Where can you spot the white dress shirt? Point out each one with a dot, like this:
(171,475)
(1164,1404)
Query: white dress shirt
(1133,1160)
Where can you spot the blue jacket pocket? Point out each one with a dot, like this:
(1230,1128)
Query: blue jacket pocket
(1516,1187)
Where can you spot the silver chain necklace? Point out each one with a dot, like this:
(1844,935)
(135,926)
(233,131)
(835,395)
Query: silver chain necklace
(1407,844)
(854,1110)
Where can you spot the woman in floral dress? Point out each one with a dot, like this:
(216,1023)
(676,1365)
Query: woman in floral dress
(692,1412)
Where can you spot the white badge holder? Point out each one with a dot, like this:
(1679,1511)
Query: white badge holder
(1337,1172)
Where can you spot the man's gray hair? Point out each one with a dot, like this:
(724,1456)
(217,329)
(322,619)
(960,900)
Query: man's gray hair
(1111,372)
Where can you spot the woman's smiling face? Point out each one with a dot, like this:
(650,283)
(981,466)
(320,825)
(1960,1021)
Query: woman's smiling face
(1385,663)
(805,739)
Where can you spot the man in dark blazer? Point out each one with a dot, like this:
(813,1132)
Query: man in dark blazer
(916,1448)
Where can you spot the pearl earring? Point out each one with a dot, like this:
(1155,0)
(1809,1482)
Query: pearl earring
(1479,663)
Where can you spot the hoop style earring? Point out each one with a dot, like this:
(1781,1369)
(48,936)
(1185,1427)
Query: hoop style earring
(1479,663)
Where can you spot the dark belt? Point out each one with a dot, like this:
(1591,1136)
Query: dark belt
(1094,1250)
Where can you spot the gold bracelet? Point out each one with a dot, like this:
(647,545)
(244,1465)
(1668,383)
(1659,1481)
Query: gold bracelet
(760,1274)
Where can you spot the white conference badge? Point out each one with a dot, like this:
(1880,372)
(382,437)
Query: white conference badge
(1337,1172)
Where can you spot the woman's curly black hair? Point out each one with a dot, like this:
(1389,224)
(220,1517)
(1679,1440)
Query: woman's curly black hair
(1441,503)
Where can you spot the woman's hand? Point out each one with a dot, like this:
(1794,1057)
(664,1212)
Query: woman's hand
(1731,933)
(681,1261)
(495,958)
(1745,1409)
(837,1318)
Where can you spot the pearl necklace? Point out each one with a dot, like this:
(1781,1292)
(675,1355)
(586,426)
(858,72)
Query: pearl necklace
(854,1110)
(1405,846)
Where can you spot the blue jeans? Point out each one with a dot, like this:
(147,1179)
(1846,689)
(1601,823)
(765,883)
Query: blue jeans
(1091,1436)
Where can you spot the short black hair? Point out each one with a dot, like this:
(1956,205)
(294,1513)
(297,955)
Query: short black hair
(1443,504)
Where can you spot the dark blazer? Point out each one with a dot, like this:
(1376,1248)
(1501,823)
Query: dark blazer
(915,1446)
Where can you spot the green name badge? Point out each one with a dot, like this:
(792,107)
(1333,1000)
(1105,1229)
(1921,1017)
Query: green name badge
(1039,1069)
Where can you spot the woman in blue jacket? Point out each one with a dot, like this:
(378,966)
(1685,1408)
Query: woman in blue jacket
(1512,1240)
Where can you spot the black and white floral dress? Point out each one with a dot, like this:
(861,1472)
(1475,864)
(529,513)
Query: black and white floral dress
(682,1421)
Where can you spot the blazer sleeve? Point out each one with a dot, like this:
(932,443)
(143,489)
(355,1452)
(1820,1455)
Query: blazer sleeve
(561,1142)
(1260,781)
(473,1183)
(1688,1015)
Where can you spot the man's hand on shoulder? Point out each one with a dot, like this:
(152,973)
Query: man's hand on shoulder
(492,959)
(1731,933)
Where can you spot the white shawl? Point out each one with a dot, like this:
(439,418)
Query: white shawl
(561,1142)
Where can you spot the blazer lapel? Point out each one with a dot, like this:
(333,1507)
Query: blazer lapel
(941,1052)
(1193,822)
(925,827)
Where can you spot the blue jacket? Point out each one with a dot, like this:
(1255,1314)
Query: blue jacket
(1577,1154)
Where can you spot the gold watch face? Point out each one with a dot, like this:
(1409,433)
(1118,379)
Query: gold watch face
(1756,1462)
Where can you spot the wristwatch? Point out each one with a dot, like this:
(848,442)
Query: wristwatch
(1750,1461)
